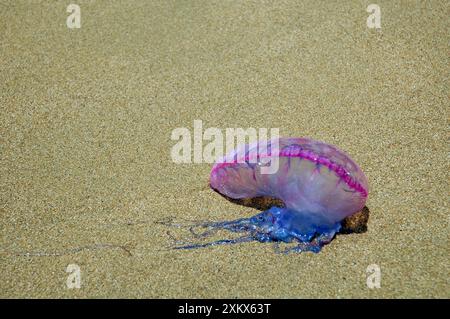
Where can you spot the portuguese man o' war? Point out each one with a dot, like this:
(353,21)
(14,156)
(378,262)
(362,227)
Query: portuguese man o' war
(318,188)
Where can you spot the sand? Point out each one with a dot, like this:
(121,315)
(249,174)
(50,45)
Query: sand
(86,122)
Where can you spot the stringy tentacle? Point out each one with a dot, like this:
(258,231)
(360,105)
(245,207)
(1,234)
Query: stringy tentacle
(217,242)
(263,227)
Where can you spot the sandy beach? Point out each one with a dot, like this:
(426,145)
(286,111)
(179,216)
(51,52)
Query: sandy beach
(85,155)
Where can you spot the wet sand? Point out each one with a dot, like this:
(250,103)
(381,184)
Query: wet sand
(87,116)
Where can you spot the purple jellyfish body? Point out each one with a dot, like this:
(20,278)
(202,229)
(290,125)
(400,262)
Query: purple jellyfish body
(319,185)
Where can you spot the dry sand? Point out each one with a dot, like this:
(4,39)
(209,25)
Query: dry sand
(87,116)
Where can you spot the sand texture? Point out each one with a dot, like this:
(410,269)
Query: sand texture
(85,142)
